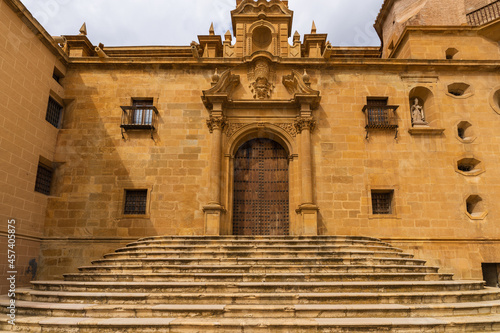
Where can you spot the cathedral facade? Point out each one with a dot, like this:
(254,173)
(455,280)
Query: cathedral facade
(262,131)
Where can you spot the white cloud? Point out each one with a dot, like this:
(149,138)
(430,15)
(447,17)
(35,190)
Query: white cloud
(172,22)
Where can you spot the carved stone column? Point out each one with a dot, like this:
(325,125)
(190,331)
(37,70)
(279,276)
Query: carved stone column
(307,209)
(215,100)
(214,209)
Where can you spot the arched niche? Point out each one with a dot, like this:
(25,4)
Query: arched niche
(247,132)
(425,99)
(263,37)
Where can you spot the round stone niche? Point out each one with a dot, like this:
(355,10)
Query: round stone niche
(495,99)
(262,38)
(465,132)
(475,207)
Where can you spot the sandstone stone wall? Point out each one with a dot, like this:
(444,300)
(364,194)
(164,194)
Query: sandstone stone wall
(405,13)
(97,164)
(26,67)
(429,191)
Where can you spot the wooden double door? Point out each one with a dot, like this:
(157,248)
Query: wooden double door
(261,198)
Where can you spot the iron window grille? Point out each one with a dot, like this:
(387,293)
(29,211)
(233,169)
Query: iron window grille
(382,202)
(54,111)
(135,202)
(380,116)
(43,179)
(140,116)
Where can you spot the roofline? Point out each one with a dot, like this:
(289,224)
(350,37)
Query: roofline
(27,18)
(382,15)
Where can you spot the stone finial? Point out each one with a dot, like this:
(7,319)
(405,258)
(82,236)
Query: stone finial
(296,36)
(83,29)
(228,37)
(306,78)
(211,31)
(313,29)
(215,77)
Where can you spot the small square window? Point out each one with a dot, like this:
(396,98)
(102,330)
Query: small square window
(135,202)
(54,111)
(43,179)
(57,75)
(382,202)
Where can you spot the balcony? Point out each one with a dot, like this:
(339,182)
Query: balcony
(139,118)
(381,118)
(485,14)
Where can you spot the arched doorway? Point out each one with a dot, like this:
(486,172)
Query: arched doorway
(261,198)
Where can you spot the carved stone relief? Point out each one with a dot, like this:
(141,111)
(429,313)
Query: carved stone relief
(232,128)
(263,77)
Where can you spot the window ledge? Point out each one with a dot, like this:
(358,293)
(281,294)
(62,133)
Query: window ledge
(473,173)
(136,216)
(477,216)
(464,96)
(425,130)
(384,216)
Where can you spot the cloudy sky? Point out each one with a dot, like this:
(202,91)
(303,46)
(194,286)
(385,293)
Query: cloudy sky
(178,22)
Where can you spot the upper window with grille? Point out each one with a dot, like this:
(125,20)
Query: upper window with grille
(382,202)
(43,179)
(135,202)
(54,112)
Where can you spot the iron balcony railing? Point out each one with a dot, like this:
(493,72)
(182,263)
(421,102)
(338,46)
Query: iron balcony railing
(381,118)
(485,14)
(139,118)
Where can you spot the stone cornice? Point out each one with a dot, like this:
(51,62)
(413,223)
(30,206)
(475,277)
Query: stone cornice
(351,64)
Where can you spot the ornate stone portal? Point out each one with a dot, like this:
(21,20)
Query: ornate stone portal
(248,102)
(238,110)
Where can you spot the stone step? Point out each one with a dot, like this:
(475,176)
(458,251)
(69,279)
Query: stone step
(253,277)
(120,298)
(260,261)
(270,239)
(488,323)
(253,248)
(25,308)
(258,255)
(131,269)
(257,287)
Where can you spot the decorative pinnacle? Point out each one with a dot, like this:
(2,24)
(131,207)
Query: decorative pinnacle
(228,37)
(313,29)
(211,31)
(296,36)
(83,29)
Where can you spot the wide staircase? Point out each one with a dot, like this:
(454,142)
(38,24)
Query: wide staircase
(256,284)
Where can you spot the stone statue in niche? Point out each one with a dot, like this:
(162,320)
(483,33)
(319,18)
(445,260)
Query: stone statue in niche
(417,113)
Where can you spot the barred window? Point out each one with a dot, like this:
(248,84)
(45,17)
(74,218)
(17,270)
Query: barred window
(382,202)
(135,202)
(54,110)
(378,114)
(43,179)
